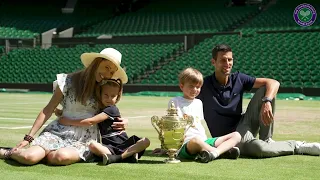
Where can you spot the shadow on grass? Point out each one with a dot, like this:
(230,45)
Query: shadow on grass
(150,162)
(17,164)
(139,162)
(149,153)
(13,163)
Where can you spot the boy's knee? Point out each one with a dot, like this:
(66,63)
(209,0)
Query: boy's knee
(236,136)
(195,140)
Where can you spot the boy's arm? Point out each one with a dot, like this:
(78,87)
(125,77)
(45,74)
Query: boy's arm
(84,122)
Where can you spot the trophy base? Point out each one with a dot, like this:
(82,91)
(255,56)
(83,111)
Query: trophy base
(172,161)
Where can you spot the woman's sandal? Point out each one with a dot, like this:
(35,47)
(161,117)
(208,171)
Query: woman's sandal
(7,154)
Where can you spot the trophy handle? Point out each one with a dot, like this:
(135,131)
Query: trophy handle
(154,122)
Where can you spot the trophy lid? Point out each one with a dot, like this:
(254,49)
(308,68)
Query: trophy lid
(172,111)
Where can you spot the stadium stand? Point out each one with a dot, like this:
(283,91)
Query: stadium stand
(34,18)
(279,17)
(270,44)
(178,17)
(287,57)
(40,66)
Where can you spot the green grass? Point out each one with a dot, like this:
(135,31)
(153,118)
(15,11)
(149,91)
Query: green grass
(298,120)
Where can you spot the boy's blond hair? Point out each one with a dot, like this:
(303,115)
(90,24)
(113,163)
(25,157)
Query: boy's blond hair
(190,75)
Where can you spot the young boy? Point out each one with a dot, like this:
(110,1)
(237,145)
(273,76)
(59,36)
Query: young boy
(196,144)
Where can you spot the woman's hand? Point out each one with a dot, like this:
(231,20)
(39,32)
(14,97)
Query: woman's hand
(120,125)
(58,112)
(63,121)
(22,144)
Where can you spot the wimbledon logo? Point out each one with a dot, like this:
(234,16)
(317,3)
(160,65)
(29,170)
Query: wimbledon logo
(305,15)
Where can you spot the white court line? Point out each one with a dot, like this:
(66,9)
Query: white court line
(135,117)
(21,127)
(19,110)
(20,119)
(23,119)
(42,102)
(26,127)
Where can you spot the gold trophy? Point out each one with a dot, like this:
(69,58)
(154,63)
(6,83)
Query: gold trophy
(171,131)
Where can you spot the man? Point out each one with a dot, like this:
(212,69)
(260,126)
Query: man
(221,95)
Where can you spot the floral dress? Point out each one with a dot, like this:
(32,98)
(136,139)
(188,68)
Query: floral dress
(56,135)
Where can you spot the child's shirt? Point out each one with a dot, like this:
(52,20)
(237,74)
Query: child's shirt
(108,134)
(191,108)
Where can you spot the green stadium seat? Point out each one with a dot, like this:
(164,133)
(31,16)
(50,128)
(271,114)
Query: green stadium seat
(308,84)
(31,65)
(283,63)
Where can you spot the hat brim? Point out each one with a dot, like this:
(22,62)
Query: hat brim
(87,58)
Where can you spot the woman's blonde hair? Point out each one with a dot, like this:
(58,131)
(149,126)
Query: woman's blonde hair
(111,83)
(190,75)
(84,82)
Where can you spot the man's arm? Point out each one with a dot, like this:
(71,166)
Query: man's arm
(84,122)
(272,86)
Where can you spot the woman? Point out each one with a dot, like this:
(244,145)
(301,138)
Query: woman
(64,145)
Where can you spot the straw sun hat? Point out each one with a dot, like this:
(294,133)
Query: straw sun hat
(110,54)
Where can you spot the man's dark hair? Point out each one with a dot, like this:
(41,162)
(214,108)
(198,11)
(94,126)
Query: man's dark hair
(220,48)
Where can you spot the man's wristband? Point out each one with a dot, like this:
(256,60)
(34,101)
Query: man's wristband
(266,99)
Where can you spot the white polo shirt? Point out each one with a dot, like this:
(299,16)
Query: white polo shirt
(191,108)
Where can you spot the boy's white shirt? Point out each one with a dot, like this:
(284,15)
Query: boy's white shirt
(192,108)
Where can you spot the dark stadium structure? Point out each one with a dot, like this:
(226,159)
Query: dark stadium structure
(158,38)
